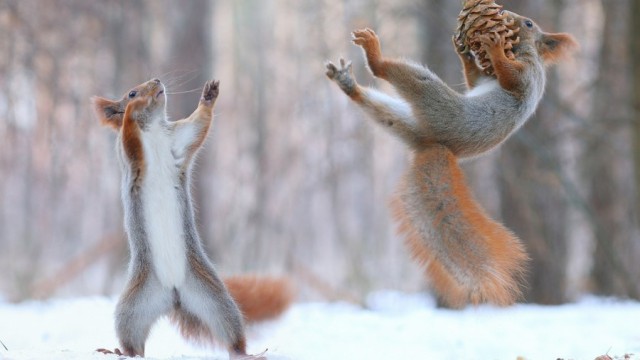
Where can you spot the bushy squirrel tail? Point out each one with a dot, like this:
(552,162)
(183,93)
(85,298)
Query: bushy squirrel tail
(260,297)
(469,257)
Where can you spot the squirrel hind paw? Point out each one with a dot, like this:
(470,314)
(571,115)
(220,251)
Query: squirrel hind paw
(334,72)
(115,351)
(345,64)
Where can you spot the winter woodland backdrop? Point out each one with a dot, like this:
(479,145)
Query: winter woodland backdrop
(294,179)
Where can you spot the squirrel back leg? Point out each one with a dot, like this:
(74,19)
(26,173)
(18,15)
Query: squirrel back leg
(205,310)
(430,98)
(141,304)
(391,113)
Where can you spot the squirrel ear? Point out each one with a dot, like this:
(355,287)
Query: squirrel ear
(108,112)
(555,47)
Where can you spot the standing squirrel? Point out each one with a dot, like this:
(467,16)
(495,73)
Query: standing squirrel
(169,272)
(468,256)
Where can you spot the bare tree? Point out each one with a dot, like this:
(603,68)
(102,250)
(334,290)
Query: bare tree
(534,203)
(609,162)
(294,178)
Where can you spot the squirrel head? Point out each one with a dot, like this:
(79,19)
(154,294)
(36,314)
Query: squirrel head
(111,112)
(550,47)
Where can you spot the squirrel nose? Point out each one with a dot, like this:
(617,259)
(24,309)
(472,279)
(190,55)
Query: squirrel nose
(156,80)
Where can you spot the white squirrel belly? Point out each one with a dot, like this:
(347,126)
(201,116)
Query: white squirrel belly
(398,106)
(483,88)
(162,210)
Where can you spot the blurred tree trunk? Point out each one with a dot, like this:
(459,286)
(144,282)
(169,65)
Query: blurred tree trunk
(608,167)
(435,29)
(533,202)
(190,52)
(257,15)
(292,168)
(634,45)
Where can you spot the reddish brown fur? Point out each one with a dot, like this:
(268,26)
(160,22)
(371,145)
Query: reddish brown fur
(202,135)
(469,257)
(109,112)
(127,116)
(492,275)
(444,284)
(203,114)
(134,286)
(505,251)
(470,70)
(260,298)
(508,72)
(202,272)
(191,328)
(356,95)
(132,138)
(556,47)
(533,42)
(369,42)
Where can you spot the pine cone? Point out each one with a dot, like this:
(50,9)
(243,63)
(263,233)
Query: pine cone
(480,17)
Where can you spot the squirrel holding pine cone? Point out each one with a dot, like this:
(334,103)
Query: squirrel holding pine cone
(469,257)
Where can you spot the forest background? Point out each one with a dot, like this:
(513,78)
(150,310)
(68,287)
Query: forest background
(294,179)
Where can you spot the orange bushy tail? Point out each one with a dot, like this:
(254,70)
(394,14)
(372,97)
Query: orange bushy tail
(260,298)
(468,256)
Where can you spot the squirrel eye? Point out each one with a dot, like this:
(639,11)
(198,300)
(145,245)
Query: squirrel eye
(133,94)
(529,23)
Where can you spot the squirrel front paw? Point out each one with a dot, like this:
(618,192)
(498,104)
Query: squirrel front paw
(493,44)
(210,92)
(462,51)
(343,76)
(368,40)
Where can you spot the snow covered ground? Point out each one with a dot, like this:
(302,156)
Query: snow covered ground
(394,326)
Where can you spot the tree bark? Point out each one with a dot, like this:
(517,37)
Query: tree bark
(609,186)
(534,205)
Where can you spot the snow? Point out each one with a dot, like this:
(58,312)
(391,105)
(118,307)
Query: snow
(392,326)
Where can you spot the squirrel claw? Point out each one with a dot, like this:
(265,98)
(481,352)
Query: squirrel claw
(333,71)
(368,40)
(491,40)
(460,49)
(210,90)
(115,351)
(491,43)
(259,356)
(342,75)
(364,37)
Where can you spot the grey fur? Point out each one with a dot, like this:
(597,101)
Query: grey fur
(467,125)
(471,257)
(202,296)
